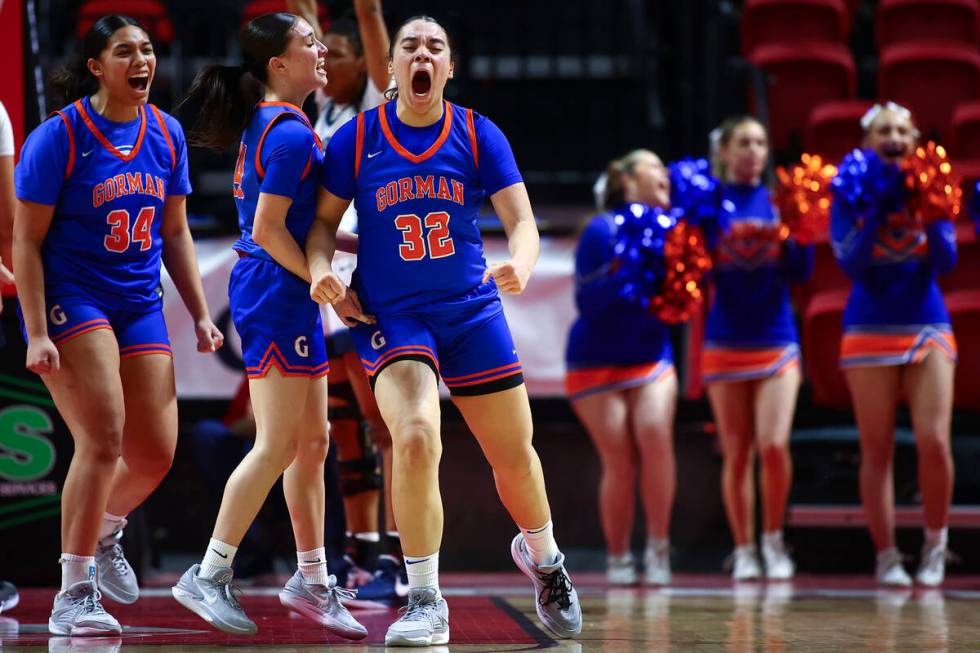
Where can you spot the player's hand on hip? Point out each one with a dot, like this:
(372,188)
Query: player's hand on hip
(510,277)
(327,288)
(42,356)
(350,312)
(209,337)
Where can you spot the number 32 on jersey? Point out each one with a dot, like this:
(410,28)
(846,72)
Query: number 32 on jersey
(428,236)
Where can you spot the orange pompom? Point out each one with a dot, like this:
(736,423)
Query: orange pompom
(686,261)
(803,197)
(935,192)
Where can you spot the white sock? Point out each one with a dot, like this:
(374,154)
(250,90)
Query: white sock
(370,536)
(423,571)
(885,553)
(773,539)
(313,566)
(745,549)
(937,536)
(219,556)
(110,523)
(75,569)
(541,544)
(655,544)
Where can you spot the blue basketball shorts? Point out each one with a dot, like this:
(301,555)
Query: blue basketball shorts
(139,331)
(465,340)
(279,325)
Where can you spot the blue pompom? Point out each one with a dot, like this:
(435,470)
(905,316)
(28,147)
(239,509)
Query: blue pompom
(696,192)
(868,186)
(639,250)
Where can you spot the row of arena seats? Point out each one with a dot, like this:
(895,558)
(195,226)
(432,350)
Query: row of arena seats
(928,60)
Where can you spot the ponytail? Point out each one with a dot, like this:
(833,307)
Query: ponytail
(227,95)
(75,81)
(614,191)
(226,100)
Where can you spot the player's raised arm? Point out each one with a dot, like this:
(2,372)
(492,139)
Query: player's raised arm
(375,39)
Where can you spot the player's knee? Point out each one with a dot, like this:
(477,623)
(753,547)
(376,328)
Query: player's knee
(278,457)
(773,453)
(417,442)
(738,453)
(878,456)
(933,445)
(655,435)
(150,463)
(103,443)
(315,444)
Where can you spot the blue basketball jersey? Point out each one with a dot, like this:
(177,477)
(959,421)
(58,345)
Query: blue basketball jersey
(108,182)
(418,192)
(279,154)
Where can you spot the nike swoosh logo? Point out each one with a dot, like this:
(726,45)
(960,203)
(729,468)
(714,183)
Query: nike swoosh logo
(89,152)
(223,555)
(374,154)
(415,562)
(312,562)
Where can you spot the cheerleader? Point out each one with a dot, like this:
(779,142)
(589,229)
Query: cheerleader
(898,343)
(621,381)
(751,353)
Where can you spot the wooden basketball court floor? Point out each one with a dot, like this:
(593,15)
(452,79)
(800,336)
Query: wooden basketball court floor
(495,612)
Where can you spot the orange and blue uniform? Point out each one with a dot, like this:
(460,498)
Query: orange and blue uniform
(895,314)
(420,263)
(615,343)
(279,325)
(108,183)
(750,332)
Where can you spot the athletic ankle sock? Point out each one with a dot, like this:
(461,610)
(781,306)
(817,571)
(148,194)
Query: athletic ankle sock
(75,569)
(936,536)
(218,556)
(423,571)
(541,544)
(110,523)
(773,539)
(313,566)
(655,544)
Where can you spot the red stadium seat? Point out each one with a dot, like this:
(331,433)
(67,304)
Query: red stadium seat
(827,276)
(834,128)
(964,139)
(822,330)
(801,75)
(966,274)
(948,21)
(964,312)
(930,79)
(152,14)
(256,8)
(790,21)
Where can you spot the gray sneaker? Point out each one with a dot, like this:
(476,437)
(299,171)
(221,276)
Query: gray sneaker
(424,621)
(214,599)
(78,612)
(557,605)
(117,580)
(323,605)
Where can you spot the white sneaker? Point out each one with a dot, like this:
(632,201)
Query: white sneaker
(745,563)
(424,622)
(621,570)
(932,566)
(889,569)
(779,564)
(656,563)
(78,612)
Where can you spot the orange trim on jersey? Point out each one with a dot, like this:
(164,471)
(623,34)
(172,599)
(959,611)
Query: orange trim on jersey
(591,380)
(306,170)
(358,144)
(510,367)
(471,128)
(133,351)
(301,116)
(166,135)
(71,144)
(882,349)
(447,124)
(273,357)
(92,127)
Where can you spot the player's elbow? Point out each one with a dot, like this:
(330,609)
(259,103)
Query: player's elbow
(262,233)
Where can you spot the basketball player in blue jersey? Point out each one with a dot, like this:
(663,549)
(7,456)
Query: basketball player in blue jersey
(274,186)
(750,360)
(101,187)
(898,342)
(417,170)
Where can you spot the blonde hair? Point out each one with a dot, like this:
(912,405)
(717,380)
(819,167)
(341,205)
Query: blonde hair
(609,189)
(721,136)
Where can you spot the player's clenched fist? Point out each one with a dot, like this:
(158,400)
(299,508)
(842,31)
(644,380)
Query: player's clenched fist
(327,288)
(510,277)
